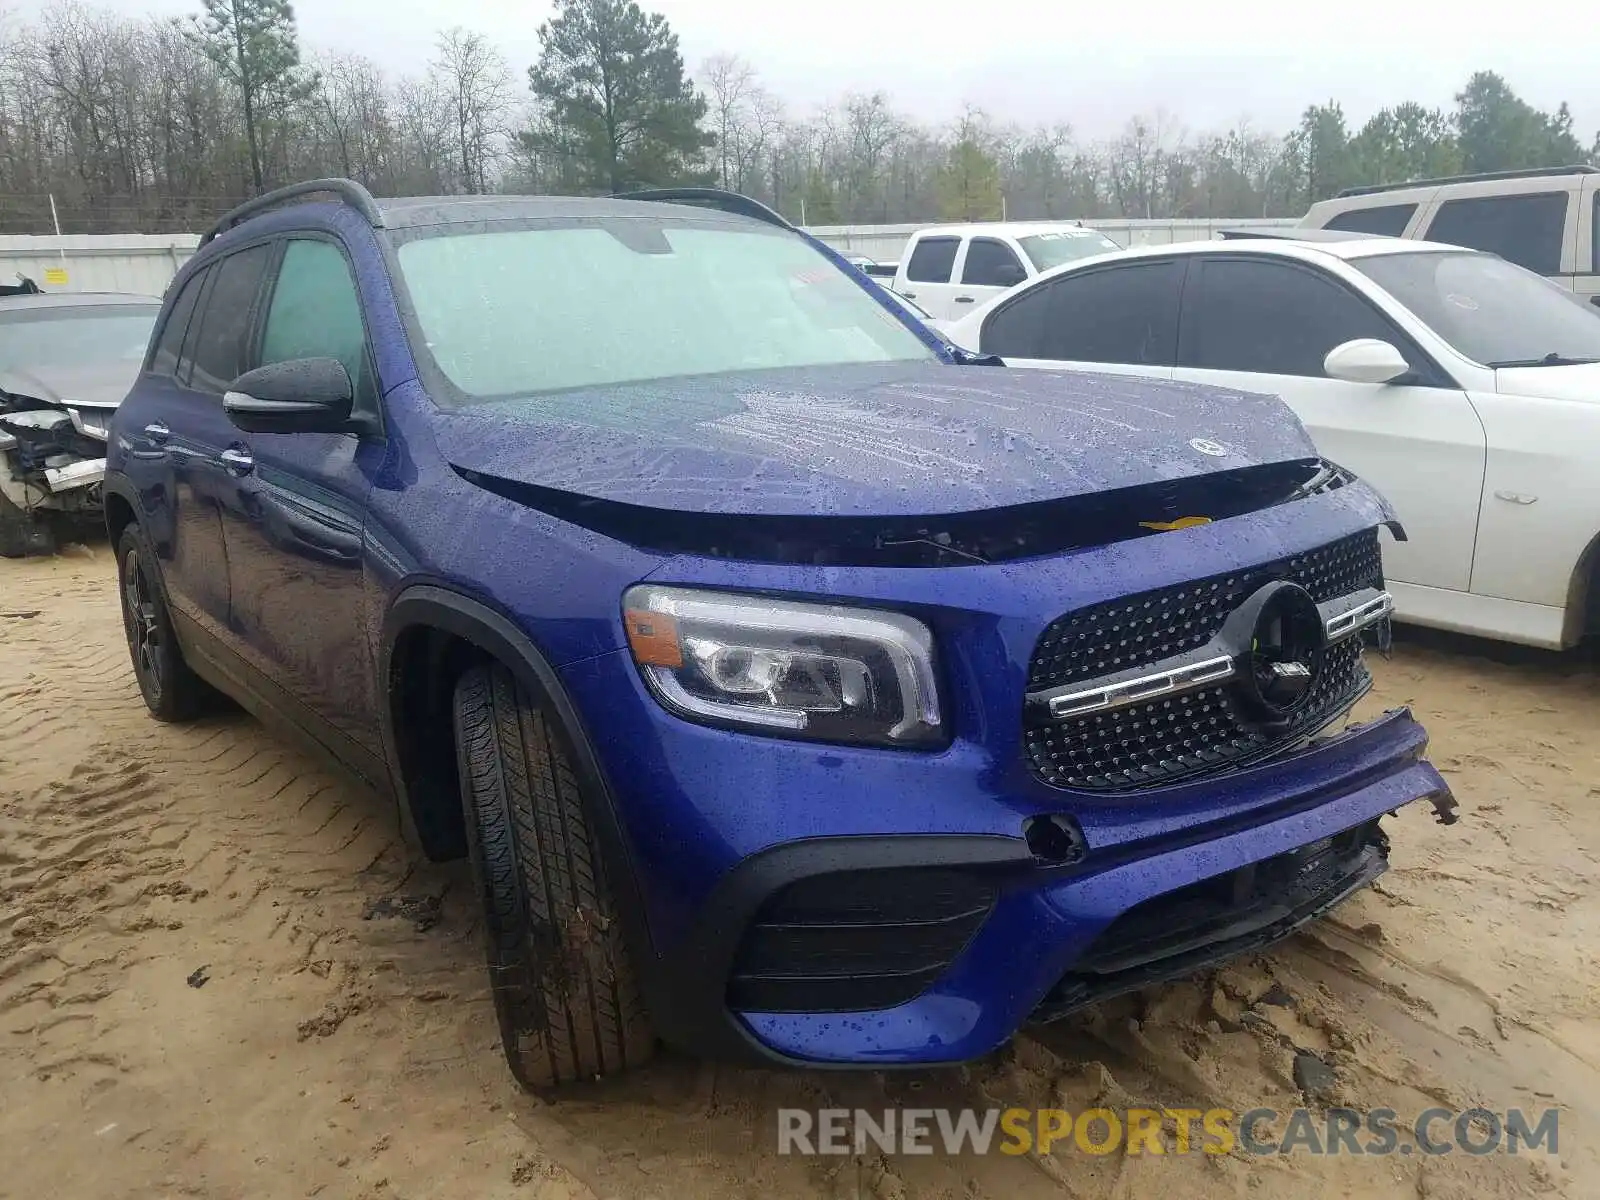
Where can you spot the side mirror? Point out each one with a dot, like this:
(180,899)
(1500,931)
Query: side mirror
(308,395)
(1365,360)
(1010,274)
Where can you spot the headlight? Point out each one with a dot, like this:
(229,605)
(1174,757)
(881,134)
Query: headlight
(813,671)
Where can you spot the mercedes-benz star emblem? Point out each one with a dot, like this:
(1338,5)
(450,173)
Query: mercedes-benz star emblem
(1207,446)
(1285,651)
(1279,639)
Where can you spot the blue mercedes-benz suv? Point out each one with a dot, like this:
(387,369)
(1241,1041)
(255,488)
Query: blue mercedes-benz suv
(799,687)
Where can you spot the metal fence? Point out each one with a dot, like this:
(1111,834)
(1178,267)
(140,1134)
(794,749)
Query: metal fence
(145,262)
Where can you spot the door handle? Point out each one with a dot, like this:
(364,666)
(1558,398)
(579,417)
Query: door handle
(909,295)
(965,300)
(236,461)
(157,433)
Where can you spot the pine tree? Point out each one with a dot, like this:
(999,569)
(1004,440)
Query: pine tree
(256,46)
(611,82)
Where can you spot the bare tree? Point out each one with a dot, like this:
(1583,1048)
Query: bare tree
(871,127)
(1139,163)
(146,123)
(351,107)
(475,80)
(743,116)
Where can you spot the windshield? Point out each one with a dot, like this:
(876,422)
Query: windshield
(511,312)
(1061,246)
(75,336)
(1493,312)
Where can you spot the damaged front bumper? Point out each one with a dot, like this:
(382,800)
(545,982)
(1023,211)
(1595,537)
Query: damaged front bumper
(52,458)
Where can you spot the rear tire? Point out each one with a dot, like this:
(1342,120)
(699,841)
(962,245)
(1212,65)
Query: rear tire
(172,692)
(564,987)
(24,534)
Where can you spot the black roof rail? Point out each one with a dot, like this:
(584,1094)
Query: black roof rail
(346,191)
(1373,189)
(717,198)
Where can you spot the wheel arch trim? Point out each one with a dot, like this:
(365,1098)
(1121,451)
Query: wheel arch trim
(463,616)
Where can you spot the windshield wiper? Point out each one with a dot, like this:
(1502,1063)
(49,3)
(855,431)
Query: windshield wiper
(1549,360)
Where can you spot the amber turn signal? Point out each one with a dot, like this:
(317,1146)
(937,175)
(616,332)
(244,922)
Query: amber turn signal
(653,638)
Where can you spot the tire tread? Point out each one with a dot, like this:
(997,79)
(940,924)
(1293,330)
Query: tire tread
(564,988)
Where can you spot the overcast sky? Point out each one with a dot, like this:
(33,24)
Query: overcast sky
(1033,60)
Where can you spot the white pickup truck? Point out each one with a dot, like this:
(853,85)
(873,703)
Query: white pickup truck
(950,270)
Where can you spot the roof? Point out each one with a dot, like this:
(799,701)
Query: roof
(73,300)
(407,212)
(1375,189)
(1358,246)
(1016,229)
(682,204)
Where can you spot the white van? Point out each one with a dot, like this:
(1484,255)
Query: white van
(950,270)
(1545,220)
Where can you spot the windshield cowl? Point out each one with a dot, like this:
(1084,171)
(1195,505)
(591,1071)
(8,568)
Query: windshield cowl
(1549,360)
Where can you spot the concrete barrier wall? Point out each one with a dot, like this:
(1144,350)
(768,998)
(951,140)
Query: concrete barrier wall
(140,262)
(123,262)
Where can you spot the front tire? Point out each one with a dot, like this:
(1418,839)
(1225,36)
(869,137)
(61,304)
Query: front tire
(564,987)
(172,692)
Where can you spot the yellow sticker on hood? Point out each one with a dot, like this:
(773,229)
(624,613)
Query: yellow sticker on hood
(1180,523)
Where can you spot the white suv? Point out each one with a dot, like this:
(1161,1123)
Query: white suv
(1546,220)
(1464,388)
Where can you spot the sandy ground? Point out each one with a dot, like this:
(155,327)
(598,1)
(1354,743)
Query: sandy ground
(336,1051)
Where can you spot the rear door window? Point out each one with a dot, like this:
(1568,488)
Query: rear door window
(991,263)
(1123,314)
(221,350)
(1384,220)
(1527,229)
(932,260)
(165,359)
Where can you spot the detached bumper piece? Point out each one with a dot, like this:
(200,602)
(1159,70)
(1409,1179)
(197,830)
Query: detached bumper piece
(858,940)
(83,473)
(1220,918)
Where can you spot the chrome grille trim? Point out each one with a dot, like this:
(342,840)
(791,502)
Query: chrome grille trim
(1342,618)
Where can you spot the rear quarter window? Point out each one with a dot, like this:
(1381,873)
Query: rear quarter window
(1527,229)
(1384,220)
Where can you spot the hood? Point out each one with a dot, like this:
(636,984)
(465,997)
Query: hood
(88,385)
(884,440)
(1580,382)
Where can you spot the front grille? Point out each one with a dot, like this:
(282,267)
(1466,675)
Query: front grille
(856,941)
(1193,733)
